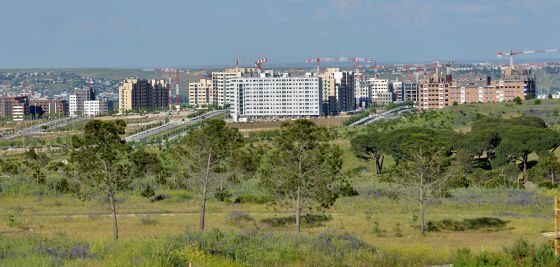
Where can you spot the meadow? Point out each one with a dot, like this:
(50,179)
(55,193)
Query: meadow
(377,225)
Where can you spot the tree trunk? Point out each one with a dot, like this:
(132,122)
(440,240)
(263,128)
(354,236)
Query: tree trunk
(298,210)
(552,176)
(114,211)
(378,164)
(421,199)
(525,158)
(204,193)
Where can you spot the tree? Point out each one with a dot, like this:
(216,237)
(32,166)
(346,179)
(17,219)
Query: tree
(426,159)
(208,148)
(517,100)
(548,167)
(303,168)
(369,146)
(520,141)
(394,139)
(101,164)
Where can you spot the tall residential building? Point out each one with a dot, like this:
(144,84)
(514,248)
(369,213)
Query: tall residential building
(38,108)
(338,91)
(14,108)
(143,95)
(274,96)
(381,91)
(405,91)
(94,108)
(200,93)
(221,79)
(76,100)
(362,91)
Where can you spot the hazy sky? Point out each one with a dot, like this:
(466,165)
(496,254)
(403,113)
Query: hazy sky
(142,33)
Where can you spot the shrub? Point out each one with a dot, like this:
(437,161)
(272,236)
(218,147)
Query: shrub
(310,220)
(482,223)
(222,194)
(148,191)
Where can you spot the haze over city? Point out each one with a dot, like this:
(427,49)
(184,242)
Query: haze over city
(144,33)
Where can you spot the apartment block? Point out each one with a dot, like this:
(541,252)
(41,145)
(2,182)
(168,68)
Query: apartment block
(14,108)
(221,79)
(338,91)
(200,93)
(434,95)
(94,108)
(38,108)
(381,91)
(76,100)
(143,95)
(275,97)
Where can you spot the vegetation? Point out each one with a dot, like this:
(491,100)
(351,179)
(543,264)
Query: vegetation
(482,178)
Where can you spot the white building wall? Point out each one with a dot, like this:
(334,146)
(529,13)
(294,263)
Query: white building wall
(73,105)
(255,97)
(94,108)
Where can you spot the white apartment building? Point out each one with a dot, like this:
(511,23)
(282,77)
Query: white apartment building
(73,105)
(362,91)
(274,97)
(381,92)
(94,108)
(200,93)
(220,82)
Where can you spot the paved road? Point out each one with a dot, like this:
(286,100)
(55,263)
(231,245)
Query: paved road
(43,127)
(387,115)
(142,136)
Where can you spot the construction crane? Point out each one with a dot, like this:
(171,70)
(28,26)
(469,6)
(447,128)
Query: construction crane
(259,63)
(355,60)
(173,74)
(512,53)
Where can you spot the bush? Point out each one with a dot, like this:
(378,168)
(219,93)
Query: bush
(310,220)
(222,194)
(482,223)
(148,191)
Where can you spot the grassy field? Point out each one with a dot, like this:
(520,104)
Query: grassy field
(384,216)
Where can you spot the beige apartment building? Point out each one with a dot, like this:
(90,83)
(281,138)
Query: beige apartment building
(200,93)
(143,95)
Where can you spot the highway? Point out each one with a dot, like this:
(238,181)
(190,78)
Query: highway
(387,115)
(39,128)
(171,125)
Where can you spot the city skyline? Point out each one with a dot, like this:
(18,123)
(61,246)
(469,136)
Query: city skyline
(215,33)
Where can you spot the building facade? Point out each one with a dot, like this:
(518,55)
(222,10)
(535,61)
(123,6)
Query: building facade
(275,97)
(338,91)
(14,108)
(38,108)
(200,93)
(381,91)
(76,100)
(143,95)
(94,108)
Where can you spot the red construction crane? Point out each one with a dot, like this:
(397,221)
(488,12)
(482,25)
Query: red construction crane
(259,63)
(173,74)
(512,53)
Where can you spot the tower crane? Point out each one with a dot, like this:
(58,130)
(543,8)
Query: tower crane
(512,53)
(259,63)
(173,74)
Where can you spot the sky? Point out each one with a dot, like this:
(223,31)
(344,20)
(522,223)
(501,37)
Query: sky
(189,33)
